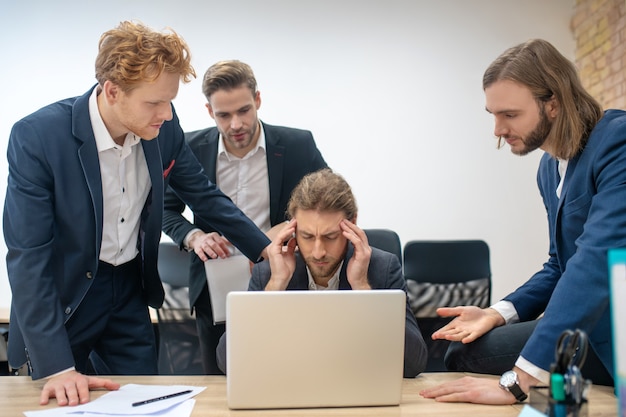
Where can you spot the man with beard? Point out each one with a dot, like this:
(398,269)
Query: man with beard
(254,163)
(332,254)
(538,102)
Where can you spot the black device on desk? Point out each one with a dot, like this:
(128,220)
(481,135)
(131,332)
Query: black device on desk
(567,394)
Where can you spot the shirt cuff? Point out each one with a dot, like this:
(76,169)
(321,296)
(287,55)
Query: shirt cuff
(533,370)
(61,372)
(186,239)
(506,310)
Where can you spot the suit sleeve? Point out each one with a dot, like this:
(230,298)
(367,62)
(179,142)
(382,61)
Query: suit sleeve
(175,225)
(591,221)
(29,225)
(415,350)
(191,185)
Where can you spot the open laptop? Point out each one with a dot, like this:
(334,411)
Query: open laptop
(301,349)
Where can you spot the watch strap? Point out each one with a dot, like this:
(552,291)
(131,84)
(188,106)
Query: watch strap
(517,391)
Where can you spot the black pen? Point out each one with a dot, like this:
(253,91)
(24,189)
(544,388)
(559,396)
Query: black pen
(165,397)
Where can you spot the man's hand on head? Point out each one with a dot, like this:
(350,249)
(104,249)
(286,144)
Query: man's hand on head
(282,258)
(359,263)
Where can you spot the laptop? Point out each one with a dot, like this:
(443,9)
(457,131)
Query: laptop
(617,281)
(304,349)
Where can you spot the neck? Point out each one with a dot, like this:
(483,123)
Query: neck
(108,118)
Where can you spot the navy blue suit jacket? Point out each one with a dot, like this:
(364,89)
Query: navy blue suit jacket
(384,273)
(291,154)
(53,223)
(588,219)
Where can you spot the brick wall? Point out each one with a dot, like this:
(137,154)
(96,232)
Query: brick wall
(599,28)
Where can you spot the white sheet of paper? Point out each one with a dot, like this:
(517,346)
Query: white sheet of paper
(223,276)
(120,403)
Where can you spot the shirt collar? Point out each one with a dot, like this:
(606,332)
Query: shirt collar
(333,283)
(104,141)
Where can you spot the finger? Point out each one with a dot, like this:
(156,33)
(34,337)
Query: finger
(291,245)
(75,394)
(44,398)
(221,249)
(82,391)
(470,338)
(449,311)
(59,393)
(286,233)
(200,252)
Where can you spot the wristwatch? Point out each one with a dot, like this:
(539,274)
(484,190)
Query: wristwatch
(510,383)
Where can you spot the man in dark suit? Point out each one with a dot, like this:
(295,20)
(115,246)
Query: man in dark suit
(538,102)
(332,254)
(255,164)
(83,215)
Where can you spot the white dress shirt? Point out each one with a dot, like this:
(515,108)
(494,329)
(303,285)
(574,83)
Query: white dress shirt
(125,187)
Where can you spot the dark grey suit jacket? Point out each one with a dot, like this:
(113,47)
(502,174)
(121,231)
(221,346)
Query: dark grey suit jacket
(291,154)
(384,272)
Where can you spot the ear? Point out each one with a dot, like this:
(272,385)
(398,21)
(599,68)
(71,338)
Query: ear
(353,220)
(210,109)
(552,108)
(111,92)
(257,100)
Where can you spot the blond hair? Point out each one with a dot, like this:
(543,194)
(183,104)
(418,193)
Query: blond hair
(323,190)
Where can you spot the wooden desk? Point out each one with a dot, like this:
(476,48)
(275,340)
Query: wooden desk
(20,393)
(4,315)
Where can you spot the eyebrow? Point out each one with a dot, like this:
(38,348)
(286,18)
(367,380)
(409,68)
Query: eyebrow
(502,111)
(331,233)
(243,108)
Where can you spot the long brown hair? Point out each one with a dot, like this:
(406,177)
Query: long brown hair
(547,73)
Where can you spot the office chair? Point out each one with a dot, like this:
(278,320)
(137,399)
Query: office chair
(444,274)
(385,239)
(179,347)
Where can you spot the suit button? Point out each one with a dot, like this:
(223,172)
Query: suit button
(89,275)
(68,310)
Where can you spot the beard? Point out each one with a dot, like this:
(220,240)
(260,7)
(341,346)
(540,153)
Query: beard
(322,273)
(536,138)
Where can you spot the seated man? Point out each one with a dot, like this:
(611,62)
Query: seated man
(332,254)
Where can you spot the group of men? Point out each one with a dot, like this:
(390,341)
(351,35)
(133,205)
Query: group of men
(93,181)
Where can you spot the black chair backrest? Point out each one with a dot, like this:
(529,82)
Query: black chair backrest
(446,261)
(173,264)
(385,239)
(444,273)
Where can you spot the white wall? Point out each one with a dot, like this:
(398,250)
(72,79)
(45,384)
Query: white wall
(391,90)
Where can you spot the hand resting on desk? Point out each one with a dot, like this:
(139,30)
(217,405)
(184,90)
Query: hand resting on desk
(72,388)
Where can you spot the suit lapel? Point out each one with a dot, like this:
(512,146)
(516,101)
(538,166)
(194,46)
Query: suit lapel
(152,154)
(207,153)
(275,168)
(88,156)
